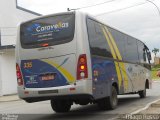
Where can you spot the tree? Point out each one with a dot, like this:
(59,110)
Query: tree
(155,51)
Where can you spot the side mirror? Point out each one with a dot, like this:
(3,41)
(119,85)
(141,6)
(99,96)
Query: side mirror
(149,55)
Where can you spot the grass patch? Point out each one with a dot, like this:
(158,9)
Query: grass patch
(156,67)
(154,75)
(154,72)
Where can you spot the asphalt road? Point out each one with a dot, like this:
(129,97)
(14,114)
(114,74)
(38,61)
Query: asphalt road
(43,111)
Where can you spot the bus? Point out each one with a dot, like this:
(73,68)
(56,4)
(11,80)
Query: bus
(73,58)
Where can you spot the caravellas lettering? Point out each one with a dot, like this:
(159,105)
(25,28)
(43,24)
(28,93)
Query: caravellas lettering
(52,27)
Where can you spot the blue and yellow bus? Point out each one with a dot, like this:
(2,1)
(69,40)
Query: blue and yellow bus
(73,58)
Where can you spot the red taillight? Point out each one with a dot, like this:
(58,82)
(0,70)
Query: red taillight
(19,75)
(82,70)
(44,45)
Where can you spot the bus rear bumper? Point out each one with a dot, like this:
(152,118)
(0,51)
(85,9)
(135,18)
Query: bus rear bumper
(75,97)
(77,90)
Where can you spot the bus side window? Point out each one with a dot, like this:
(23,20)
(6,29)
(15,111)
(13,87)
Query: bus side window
(97,40)
(141,51)
(131,50)
(120,40)
(148,60)
(144,55)
(149,56)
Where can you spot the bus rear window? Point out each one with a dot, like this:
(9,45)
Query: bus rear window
(51,30)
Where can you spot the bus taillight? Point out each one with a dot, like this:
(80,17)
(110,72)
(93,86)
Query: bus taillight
(82,70)
(19,75)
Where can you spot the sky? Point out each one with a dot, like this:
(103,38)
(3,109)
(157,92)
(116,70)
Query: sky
(138,18)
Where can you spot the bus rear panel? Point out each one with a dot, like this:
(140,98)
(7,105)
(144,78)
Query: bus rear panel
(48,64)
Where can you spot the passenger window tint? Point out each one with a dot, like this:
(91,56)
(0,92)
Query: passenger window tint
(97,40)
(53,30)
(141,51)
(120,40)
(131,50)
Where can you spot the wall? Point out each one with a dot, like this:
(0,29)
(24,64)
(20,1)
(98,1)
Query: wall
(10,17)
(8,72)
(156,60)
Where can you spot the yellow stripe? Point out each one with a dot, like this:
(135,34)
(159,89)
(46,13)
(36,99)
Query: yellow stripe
(123,69)
(124,73)
(110,45)
(118,73)
(114,56)
(65,73)
(114,44)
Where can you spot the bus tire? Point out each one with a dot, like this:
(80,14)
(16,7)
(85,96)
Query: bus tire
(142,93)
(61,106)
(109,102)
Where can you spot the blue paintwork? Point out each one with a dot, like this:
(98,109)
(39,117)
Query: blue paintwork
(106,76)
(32,27)
(32,77)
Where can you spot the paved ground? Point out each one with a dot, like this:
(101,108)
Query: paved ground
(43,111)
(9,98)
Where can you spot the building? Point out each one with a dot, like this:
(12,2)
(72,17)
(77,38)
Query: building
(10,16)
(157,60)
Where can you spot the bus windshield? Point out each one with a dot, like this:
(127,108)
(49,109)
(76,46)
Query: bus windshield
(52,30)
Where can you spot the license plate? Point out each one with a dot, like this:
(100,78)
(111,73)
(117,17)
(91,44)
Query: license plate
(48,77)
(47,91)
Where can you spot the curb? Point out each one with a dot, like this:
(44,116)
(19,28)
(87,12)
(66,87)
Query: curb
(146,107)
(140,110)
(156,81)
(9,98)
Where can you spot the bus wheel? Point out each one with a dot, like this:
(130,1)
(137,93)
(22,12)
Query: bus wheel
(142,93)
(109,102)
(61,106)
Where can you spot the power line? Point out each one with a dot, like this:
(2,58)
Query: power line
(93,5)
(154,5)
(121,9)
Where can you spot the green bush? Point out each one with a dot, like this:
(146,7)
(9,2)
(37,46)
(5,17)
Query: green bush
(156,67)
(154,71)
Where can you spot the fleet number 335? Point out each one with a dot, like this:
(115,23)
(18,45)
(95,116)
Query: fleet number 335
(28,65)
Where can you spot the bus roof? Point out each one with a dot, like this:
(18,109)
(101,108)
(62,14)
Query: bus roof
(85,15)
(95,19)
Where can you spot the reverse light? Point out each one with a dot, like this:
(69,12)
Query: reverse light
(82,70)
(19,75)
(82,74)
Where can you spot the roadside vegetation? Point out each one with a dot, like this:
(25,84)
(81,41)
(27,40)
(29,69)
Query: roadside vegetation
(154,71)
(155,68)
